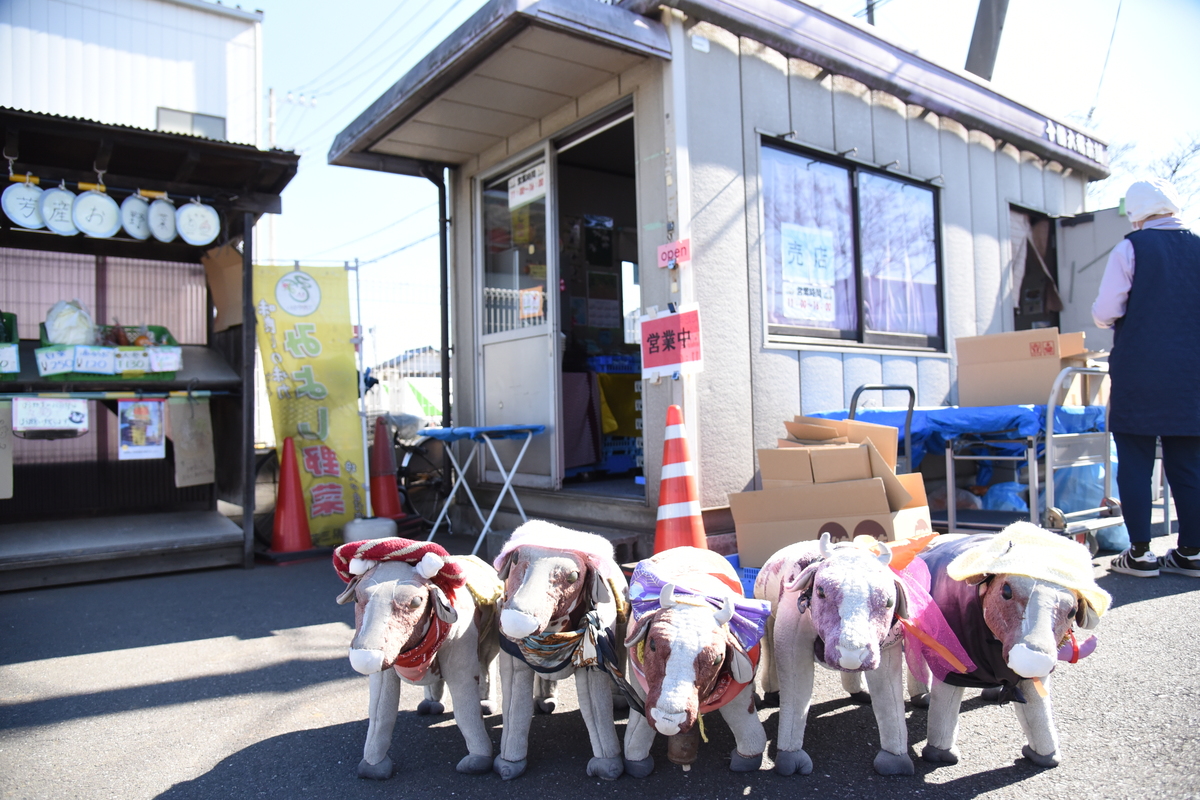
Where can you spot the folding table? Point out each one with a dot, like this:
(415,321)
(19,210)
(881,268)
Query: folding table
(485,434)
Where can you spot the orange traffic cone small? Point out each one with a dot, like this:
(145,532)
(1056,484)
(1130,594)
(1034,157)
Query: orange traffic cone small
(385,494)
(679,520)
(290,533)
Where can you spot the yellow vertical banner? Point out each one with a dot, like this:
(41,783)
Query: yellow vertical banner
(304,338)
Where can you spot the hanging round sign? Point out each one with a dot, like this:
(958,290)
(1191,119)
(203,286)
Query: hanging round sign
(135,216)
(20,201)
(298,294)
(55,205)
(197,223)
(162,220)
(96,214)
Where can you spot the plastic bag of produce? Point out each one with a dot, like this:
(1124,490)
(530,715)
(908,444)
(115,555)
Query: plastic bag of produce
(68,322)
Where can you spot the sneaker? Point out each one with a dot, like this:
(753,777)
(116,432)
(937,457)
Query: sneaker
(1173,562)
(1145,566)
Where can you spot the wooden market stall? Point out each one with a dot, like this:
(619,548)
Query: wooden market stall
(77,512)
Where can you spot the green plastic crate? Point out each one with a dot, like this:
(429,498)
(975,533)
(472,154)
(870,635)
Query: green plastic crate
(160,334)
(9,322)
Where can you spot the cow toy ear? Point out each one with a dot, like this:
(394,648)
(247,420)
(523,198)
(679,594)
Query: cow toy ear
(1086,617)
(637,630)
(803,581)
(600,591)
(441,605)
(506,565)
(740,666)
(901,609)
(348,594)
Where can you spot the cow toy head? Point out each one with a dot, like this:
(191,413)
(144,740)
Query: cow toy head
(688,656)
(853,600)
(551,575)
(1032,585)
(396,603)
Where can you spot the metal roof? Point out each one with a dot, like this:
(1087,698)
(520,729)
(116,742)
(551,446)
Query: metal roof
(510,64)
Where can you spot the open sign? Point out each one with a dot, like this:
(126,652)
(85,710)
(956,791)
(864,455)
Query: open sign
(680,252)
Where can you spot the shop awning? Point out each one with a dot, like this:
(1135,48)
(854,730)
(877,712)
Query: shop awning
(509,65)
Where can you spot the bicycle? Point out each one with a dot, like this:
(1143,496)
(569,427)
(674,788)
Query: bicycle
(422,476)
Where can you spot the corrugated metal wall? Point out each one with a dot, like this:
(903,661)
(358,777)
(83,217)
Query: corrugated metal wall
(118,61)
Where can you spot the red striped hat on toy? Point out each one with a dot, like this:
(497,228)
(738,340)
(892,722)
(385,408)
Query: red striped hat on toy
(431,560)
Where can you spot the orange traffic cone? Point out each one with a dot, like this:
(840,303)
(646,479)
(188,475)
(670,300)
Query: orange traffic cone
(385,494)
(679,520)
(290,533)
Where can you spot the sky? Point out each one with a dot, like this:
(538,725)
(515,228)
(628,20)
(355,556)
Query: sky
(327,66)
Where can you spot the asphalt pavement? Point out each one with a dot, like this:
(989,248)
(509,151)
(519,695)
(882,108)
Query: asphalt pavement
(235,684)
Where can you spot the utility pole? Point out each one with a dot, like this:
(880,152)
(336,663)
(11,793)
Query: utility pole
(271,144)
(871,11)
(985,39)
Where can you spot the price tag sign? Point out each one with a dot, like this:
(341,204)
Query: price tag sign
(55,359)
(49,414)
(135,360)
(10,359)
(166,359)
(96,360)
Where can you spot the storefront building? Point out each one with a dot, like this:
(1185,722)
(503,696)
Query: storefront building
(851,209)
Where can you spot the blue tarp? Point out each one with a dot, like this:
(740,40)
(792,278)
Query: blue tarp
(932,426)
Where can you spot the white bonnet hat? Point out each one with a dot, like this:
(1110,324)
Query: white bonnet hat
(1147,198)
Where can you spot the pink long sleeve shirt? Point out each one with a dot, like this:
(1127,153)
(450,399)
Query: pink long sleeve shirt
(1118,275)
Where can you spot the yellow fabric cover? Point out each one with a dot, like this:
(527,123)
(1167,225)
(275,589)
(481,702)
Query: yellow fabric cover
(485,586)
(1025,549)
(618,403)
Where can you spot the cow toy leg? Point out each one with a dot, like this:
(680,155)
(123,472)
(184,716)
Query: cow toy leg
(516,681)
(1036,716)
(887,692)
(747,730)
(468,716)
(944,702)
(856,687)
(381,721)
(794,637)
(432,704)
(545,695)
(639,736)
(596,705)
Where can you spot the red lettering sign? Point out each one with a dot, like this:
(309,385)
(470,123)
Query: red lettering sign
(671,343)
(680,252)
(1039,349)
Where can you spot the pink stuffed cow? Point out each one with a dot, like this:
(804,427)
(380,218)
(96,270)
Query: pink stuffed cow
(564,602)
(1011,598)
(838,605)
(425,618)
(693,648)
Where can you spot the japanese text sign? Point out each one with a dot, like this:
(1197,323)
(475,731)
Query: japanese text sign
(305,340)
(527,186)
(671,343)
(10,358)
(55,359)
(49,414)
(531,302)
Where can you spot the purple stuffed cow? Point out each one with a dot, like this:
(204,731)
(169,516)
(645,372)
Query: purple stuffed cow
(1011,598)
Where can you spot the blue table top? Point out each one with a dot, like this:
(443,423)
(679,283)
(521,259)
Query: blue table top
(477,433)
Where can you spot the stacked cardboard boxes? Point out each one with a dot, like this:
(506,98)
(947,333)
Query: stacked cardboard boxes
(835,476)
(1019,368)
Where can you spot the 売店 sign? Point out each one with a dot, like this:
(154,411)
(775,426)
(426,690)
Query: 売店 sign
(527,186)
(671,343)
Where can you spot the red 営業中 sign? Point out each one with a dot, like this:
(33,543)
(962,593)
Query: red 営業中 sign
(671,343)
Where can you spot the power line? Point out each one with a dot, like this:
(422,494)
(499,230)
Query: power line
(1104,69)
(374,31)
(404,54)
(381,230)
(399,250)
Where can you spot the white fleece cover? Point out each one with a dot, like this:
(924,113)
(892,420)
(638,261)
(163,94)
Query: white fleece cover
(1149,197)
(1025,549)
(538,533)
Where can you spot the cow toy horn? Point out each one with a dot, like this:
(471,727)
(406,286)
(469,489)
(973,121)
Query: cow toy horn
(726,613)
(666,597)
(826,550)
(885,554)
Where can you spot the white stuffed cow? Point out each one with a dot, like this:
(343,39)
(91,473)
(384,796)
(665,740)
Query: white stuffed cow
(425,618)
(564,600)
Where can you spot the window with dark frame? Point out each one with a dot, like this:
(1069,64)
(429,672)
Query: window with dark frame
(852,254)
(205,125)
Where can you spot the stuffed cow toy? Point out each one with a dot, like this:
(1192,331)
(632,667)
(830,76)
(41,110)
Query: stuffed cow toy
(425,618)
(693,647)
(563,613)
(1011,598)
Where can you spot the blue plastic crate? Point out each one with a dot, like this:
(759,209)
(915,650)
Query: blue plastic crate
(749,575)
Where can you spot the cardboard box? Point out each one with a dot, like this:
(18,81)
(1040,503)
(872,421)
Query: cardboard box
(1014,368)
(846,490)
(885,437)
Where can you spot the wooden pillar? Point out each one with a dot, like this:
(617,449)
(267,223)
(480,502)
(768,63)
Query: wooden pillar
(248,330)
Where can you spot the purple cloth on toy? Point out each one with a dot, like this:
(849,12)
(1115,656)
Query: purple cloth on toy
(749,621)
(924,613)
